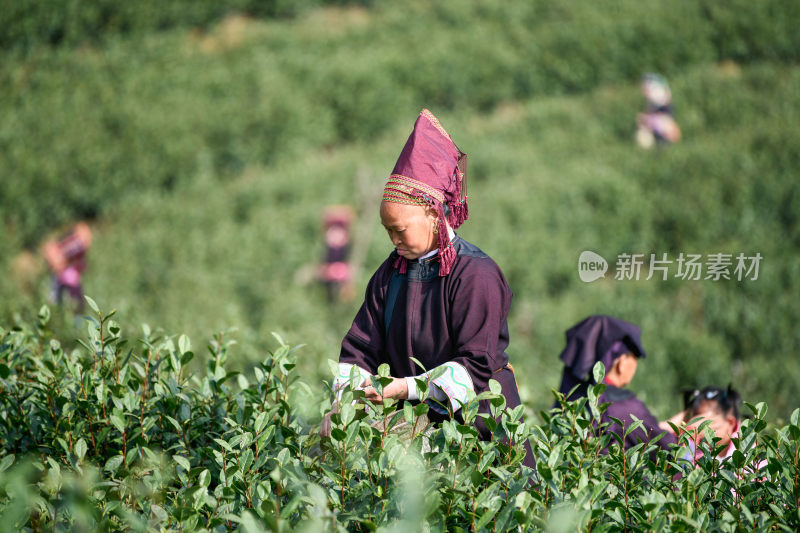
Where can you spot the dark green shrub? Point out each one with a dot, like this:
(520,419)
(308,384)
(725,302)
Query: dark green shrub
(27,23)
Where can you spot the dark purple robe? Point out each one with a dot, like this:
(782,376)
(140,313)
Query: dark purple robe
(461,317)
(623,404)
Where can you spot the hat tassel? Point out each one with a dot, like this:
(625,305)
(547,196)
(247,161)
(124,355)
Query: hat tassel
(459,212)
(447,254)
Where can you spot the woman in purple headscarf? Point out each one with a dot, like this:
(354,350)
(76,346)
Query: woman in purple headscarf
(437,298)
(617,344)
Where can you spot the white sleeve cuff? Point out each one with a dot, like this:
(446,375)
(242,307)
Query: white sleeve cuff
(342,378)
(413,392)
(454,387)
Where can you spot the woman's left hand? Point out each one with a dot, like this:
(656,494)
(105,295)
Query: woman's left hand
(397,389)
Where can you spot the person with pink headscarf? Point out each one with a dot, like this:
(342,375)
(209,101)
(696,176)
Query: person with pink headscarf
(437,298)
(66,258)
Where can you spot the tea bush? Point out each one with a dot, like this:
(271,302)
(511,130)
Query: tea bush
(117,435)
(26,24)
(205,152)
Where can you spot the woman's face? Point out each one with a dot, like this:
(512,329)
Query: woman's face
(410,228)
(723,426)
(627,368)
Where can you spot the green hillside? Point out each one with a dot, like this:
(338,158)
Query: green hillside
(204,152)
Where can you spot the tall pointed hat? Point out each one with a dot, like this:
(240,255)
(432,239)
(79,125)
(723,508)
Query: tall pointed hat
(431,170)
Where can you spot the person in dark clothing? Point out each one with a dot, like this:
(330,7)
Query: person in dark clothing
(436,298)
(617,344)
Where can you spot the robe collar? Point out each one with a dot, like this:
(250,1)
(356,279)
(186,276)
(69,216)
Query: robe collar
(450,234)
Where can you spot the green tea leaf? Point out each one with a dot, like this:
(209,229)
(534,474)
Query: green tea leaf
(113,464)
(598,372)
(80,449)
(92,304)
(184,345)
(408,412)
(118,423)
(6,462)
(182,461)
(261,422)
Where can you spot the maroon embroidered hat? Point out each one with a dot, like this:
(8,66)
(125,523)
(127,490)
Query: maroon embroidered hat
(431,170)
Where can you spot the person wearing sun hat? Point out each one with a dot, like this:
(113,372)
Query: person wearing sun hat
(437,298)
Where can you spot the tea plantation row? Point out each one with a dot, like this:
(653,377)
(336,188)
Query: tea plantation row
(118,436)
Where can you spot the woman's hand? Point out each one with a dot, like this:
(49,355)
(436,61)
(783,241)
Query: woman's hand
(397,389)
(325,424)
(676,419)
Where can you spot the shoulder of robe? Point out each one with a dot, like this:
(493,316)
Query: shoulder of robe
(473,259)
(615,394)
(465,249)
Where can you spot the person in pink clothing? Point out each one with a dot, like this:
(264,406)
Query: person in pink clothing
(336,272)
(656,125)
(66,258)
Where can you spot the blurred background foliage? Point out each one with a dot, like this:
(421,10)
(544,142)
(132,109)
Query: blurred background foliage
(202,141)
